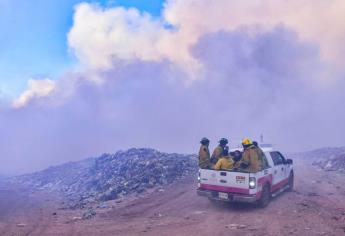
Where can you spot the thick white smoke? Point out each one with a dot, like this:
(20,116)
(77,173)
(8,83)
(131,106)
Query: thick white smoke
(231,69)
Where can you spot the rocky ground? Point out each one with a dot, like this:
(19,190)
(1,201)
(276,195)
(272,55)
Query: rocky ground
(316,207)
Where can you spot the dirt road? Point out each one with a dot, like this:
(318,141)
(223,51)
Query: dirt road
(316,207)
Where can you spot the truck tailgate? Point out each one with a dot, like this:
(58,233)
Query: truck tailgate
(224,181)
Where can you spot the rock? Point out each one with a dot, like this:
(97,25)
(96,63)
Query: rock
(304,204)
(21,225)
(313,195)
(89,214)
(108,195)
(158,215)
(76,218)
(103,206)
(140,190)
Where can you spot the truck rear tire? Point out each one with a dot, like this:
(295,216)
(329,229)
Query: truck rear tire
(265,197)
(291,183)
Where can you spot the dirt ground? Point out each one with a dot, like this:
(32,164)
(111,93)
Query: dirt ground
(316,207)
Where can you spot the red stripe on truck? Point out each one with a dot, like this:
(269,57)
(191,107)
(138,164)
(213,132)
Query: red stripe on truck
(265,180)
(279,185)
(224,189)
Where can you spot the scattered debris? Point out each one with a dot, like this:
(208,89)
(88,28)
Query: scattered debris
(235,226)
(313,195)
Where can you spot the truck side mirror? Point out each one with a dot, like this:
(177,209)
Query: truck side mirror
(289,161)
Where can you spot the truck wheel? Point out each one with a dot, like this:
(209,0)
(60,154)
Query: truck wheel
(265,197)
(291,182)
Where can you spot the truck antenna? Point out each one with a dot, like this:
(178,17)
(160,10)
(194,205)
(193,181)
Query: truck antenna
(261,138)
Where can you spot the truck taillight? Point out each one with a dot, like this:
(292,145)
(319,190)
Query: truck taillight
(252,182)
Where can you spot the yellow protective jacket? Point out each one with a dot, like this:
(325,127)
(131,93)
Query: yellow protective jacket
(224,163)
(263,158)
(253,158)
(217,154)
(204,157)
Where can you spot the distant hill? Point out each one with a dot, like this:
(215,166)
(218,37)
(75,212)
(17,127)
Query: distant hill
(112,176)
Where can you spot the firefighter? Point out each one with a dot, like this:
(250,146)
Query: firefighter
(225,162)
(264,159)
(252,159)
(204,154)
(236,157)
(218,151)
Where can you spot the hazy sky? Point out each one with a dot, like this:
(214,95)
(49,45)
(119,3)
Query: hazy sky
(78,79)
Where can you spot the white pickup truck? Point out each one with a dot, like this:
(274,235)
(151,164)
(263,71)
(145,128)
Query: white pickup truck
(240,186)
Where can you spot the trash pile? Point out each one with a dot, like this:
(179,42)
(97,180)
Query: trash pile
(112,176)
(321,154)
(332,163)
(328,159)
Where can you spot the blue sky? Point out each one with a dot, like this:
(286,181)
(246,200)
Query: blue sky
(33,38)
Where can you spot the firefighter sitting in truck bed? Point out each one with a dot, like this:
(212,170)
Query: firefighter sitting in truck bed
(236,157)
(225,162)
(264,160)
(218,151)
(204,154)
(252,158)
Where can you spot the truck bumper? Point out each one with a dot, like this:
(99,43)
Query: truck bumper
(214,195)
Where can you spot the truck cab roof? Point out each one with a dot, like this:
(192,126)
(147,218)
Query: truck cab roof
(266,147)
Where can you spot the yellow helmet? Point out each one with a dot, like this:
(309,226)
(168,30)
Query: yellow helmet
(246,141)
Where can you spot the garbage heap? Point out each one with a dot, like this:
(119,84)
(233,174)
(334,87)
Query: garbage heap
(332,163)
(112,176)
(323,154)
